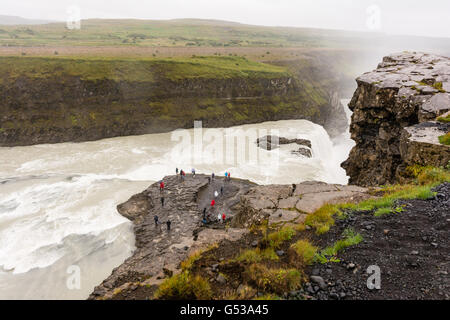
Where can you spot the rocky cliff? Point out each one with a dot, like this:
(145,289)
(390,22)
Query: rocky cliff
(50,100)
(395,109)
(159,252)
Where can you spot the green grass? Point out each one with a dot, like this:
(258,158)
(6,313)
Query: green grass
(329,254)
(184,286)
(277,238)
(137,69)
(257,255)
(426,178)
(445,139)
(174,33)
(445,119)
(305,250)
(275,280)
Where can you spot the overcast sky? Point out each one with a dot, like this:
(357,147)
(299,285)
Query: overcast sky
(413,17)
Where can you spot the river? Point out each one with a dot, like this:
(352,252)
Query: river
(58,202)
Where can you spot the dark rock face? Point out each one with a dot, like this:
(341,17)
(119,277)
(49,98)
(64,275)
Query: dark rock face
(273,142)
(405,90)
(64,107)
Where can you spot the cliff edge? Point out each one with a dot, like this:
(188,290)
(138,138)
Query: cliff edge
(394,123)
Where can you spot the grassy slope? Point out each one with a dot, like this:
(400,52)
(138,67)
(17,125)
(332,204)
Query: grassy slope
(138,69)
(266,272)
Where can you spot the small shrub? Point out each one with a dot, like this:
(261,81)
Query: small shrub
(184,286)
(322,219)
(284,234)
(274,280)
(257,255)
(305,250)
(445,119)
(189,262)
(445,139)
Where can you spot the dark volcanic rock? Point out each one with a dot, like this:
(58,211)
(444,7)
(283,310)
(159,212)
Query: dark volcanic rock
(159,251)
(273,142)
(405,90)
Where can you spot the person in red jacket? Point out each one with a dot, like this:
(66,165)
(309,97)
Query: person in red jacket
(213,202)
(161,186)
(223,217)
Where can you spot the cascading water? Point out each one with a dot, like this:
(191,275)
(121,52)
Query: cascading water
(58,202)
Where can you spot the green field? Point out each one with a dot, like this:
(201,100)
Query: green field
(199,33)
(137,69)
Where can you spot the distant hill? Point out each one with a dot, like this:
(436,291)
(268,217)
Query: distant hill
(14,20)
(195,33)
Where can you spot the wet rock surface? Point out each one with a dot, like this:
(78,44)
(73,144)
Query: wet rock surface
(159,251)
(406,89)
(273,142)
(284,203)
(411,248)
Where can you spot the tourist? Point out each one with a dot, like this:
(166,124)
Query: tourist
(221,190)
(219,217)
(223,217)
(193,172)
(162,201)
(168,224)
(229,176)
(161,186)
(212,176)
(226,175)
(156,218)
(176,171)
(216,194)
(213,202)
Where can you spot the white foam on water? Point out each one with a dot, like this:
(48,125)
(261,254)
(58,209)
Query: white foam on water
(58,202)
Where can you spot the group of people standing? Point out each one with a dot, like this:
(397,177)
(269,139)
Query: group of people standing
(156,218)
(221,217)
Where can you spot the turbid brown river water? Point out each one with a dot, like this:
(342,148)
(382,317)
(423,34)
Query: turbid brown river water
(57,202)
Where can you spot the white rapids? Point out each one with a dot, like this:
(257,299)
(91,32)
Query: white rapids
(58,202)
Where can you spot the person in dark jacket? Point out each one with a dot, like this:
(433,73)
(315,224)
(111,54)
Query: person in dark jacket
(156,218)
(168,224)
(162,201)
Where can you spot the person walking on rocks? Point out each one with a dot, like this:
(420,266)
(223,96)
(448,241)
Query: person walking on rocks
(162,202)
(156,218)
(223,217)
(213,176)
(221,190)
(161,186)
(213,202)
(229,176)
(209,180)
(204,213)
(219,218)
(168,224)
(176,171)
(193,172)
(226,175)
